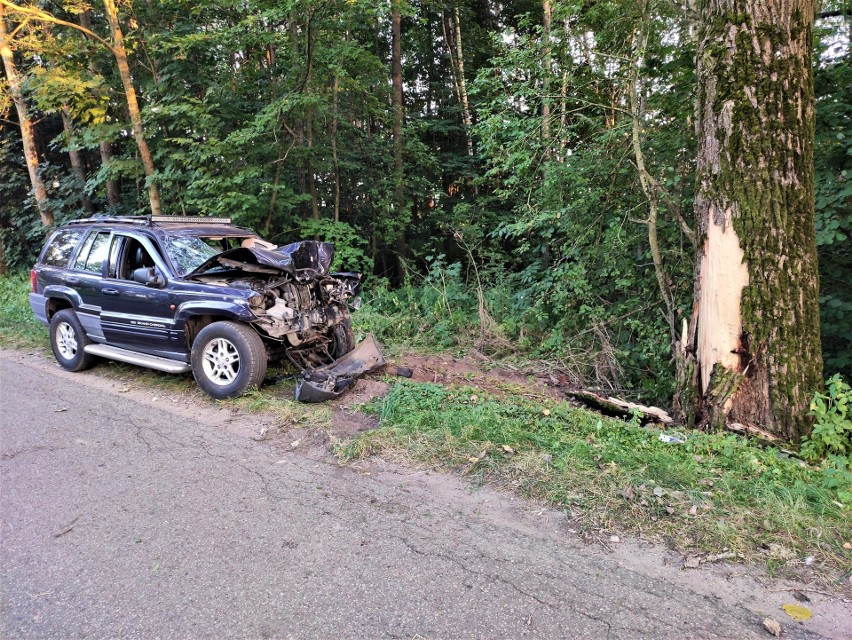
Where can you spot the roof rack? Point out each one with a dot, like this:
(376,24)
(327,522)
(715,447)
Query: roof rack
(113,219)
(190,219)
(149,220)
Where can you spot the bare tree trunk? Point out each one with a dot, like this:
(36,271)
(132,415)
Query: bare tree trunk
(4,266)
(468,120)
(334,159)
(398,121)
(30,153)
(647,182)
(104,146)
(132,105)
(77,166)
(312,179)
(546,63)
(273,198)
(448,29)
(755,335)
(298,124)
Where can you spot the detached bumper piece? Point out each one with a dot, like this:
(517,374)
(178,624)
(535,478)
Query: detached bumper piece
(330,381)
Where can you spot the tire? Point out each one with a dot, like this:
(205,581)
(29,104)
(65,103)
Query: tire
(227,359)
(334,344)
(68,339)
(342,339)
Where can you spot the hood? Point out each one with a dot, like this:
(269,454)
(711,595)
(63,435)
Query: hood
(303,260)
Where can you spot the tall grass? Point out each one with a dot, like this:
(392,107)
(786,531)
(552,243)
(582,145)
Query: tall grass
(18,327)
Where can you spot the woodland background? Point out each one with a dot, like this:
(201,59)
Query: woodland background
(499,204)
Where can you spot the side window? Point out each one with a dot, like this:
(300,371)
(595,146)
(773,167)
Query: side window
(94,261)
(61,247)
(135,257)
(84,251)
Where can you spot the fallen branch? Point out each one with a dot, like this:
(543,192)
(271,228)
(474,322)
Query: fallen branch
(621,407)
(752,430)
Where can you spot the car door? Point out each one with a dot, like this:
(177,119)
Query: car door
(135,315)
(85,277)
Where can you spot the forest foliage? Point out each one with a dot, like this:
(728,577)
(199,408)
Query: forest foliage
(518,222)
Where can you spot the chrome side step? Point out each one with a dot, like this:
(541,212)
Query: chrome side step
(141,359)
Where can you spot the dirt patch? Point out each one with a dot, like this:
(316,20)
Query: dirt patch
(479,371)
(365,389)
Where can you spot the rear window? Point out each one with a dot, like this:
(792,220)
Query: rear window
(61,247)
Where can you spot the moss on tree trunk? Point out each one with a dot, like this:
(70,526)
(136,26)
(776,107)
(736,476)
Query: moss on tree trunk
(756,348)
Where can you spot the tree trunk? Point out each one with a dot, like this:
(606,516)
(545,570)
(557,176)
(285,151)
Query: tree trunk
(312,179)
(335,161)
(77,167)
(646,180)
(120,54)
(545,85)
(30,153)
(104,146)
(468,120)
(755,334)
(398,120)
(298,124)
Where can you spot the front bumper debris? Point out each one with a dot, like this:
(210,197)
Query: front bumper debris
(330,381)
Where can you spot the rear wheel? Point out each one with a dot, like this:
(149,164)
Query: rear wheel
(68,339)
(228,358)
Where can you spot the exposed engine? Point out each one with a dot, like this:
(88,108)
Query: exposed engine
(297,311)
(295,299)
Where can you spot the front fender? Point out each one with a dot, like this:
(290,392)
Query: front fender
(229,310)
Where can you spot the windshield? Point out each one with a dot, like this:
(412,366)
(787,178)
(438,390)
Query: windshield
(188,252)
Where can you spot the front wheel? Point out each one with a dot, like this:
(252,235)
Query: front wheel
(68,339)
(228,358)
(342,339)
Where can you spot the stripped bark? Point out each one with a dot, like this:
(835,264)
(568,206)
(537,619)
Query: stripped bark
(756,347)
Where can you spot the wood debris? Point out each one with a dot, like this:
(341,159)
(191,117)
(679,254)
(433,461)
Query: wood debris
(620,407)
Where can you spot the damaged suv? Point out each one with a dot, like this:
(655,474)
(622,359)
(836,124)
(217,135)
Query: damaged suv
(181,294)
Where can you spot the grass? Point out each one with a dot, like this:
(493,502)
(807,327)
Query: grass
(713,493)
(277,399)
(18,327)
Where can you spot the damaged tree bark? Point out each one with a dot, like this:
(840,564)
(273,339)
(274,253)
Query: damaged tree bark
(752,353)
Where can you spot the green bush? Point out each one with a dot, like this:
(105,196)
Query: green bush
(832,433)
(831,438)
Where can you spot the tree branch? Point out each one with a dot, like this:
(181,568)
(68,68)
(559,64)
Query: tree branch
(49,17)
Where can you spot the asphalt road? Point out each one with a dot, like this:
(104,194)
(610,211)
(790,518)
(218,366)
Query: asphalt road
(123,520)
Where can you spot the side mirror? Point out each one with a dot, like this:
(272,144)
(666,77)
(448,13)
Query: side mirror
(148,276)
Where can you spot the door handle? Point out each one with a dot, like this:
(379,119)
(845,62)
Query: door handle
(110,292)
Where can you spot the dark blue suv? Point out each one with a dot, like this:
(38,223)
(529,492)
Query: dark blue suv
(196,294)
